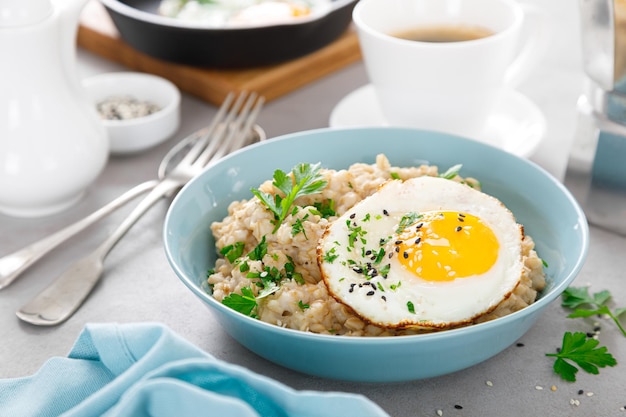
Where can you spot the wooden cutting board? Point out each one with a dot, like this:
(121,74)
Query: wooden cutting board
(98,34)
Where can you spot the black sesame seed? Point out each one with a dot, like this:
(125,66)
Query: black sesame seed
(390,255)
(397,249)
(358,270)
(405,255)
(385,212)
(353,215)
(519,345)
(368,252)
(384,298)
(458,228)
(461,215)
(418,240)
(398,242)
(590,334)
(597,328)
(458,407)
(370,293)
(580,392)
(419,225)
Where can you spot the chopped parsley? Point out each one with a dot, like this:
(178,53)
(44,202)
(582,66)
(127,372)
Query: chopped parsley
(356,233)
(244,303)
(324,209)
(268,280)
(259,251)
(298,226)
(331,255)
(407,220)
(451,172)
(410,307)
(233,252)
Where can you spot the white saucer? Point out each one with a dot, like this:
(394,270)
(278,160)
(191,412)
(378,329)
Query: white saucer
(516,126)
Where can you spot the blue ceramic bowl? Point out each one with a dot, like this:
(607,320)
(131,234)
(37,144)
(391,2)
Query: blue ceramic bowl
(546,209)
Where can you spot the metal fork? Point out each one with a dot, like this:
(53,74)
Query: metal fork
(65,295)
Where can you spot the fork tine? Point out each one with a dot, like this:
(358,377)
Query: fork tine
(215,146)
(202,142)
(253,116)
(230,135)
(238,130)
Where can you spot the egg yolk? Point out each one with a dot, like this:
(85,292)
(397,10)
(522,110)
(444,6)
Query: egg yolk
(443,246)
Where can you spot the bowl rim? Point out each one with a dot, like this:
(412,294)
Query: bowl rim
(155,19)
(541,303)
(161,83)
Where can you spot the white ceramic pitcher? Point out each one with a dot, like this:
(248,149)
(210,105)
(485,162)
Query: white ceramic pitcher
(52,145)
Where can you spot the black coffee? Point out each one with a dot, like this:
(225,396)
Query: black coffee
(444,33)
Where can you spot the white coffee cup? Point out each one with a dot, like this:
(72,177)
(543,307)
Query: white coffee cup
(447,86)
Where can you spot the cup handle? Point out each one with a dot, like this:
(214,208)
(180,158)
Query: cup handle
(534,46)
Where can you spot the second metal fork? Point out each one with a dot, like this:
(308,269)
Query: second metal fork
(65,295)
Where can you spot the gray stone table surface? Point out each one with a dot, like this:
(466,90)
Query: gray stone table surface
(140,286)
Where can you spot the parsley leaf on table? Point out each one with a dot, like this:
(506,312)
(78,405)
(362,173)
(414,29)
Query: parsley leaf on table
(583,352)
(305,179)
(578,297)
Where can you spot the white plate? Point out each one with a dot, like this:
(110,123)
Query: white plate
(516,126)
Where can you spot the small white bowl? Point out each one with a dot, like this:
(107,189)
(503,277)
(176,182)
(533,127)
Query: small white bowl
(140,133)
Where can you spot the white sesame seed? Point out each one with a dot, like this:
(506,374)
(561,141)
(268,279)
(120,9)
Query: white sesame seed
(574,402)
(538,387)
(489,383)
(440,412)
(590,394)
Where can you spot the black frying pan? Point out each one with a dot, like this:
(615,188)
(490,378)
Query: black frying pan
(179,42)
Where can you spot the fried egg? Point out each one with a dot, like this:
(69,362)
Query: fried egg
(424,253)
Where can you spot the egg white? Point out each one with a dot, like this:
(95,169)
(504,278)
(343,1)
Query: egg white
(400,298)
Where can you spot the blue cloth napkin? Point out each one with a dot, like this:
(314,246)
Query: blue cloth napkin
(145,369)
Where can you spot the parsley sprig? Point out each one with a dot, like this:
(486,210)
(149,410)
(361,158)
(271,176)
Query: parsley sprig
(305,179)
(577,347)
(582,351)
(586,305)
